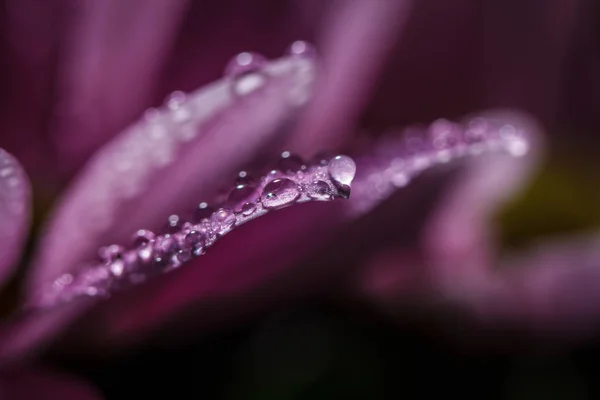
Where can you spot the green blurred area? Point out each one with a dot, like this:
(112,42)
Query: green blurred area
(562,199)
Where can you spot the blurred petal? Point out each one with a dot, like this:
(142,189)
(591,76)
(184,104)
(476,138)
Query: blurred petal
(458,239)
(356,42)
(14,212)
(272,256)
(107,73)
(169,162)
(33,384)
(166,163)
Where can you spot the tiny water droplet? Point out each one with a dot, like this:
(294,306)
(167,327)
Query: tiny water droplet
(248,208)
(164,247)
(194,239)
(302,49)
(321,158)
(290,162)
(320,190)
(244,178)
(342,170)
(224,219)
(240,195)
(202,211)
(174,223)
(110,253)
(279,192)
(245,70)
(175,100)
(184,256)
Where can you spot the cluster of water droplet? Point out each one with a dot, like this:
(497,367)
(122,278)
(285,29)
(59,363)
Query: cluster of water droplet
(397,158)
(150,253)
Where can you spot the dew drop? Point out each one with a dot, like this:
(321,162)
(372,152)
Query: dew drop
(164,247)
(321,158)
(279,193)
(175,100)
(244,178)
(194,239)
(290,162)
(174,223)
(248,208)
(245,70)
(342,170)
(320,190)
(301,48)
(202,211)
(240,195)
(224,220)
(184,256)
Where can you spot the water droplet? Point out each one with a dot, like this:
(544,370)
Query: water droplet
(248,208)
(342,170)
(240,195)
(244,178)
(290,162)
(202,211)
(174,223)
(279,192)
(110,253)
(175,100)
(302,49)
(224,220)
(321,158)
(320,190)
(184,255)
(164,247)
(443,134)
(245,69)
(117,267)
(194,239)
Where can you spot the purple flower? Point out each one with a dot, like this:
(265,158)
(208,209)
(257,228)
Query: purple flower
(80,78)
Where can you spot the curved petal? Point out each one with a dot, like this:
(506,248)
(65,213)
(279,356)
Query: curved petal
(32,384)
(276,254)
(14,212)
(170,160)
(356,39)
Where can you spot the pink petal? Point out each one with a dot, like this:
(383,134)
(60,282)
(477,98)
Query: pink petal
(112,56)
(458,239)
(357,39)
(14,212)
(166,163)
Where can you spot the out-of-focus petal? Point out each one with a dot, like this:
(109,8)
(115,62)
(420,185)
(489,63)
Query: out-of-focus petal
(14,212)
(168,162)
(33,384)
(114,52)
(356,41)
(458,238)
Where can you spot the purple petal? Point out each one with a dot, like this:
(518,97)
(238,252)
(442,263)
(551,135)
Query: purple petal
(14,212)
(108,70)
(166,163)
(355,44)
(268,257)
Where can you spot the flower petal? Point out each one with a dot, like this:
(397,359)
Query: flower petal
(169,161)
(14,212)
(356,41)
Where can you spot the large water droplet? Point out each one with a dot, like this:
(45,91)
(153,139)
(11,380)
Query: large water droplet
(320,190)
(194,240)
(342,170)
(245,70)
(302,49)
(279,192)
